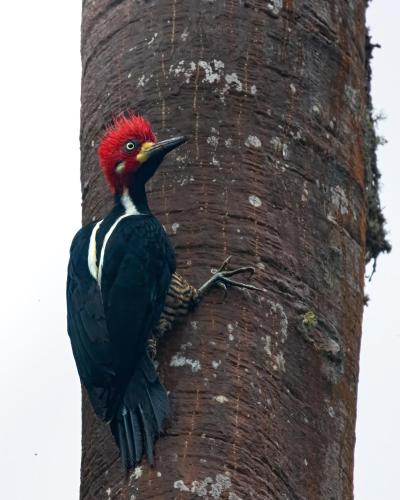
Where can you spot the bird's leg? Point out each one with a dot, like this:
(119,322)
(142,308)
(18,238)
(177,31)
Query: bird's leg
(222,278)
(152,347)
(180,299)
(183,298)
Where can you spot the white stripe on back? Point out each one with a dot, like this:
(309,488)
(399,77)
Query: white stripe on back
(92,254)
(130,209)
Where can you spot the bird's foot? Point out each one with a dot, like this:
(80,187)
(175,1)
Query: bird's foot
(152,347)
(222,278)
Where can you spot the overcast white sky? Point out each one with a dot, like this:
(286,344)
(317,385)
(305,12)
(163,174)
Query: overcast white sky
(40,207)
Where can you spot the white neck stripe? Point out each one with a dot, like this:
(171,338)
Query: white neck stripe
(127,202)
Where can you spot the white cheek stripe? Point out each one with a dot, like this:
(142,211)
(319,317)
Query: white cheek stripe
(130,209)
(92,260)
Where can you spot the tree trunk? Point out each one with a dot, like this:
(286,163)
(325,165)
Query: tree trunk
(273,95)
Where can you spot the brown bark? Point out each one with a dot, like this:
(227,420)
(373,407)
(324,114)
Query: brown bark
(273,96)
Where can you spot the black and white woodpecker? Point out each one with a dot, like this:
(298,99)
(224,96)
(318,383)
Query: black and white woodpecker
(123,292)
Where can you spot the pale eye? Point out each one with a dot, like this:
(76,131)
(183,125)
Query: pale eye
(130,146)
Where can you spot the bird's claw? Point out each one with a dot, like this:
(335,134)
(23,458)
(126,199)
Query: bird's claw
(226,281)
(224,269)
(222,278)
(225,289)
(239,270)
(225,264)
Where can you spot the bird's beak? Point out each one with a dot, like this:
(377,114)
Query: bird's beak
(160,149)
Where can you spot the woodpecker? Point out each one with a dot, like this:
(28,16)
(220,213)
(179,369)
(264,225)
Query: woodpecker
(123,293)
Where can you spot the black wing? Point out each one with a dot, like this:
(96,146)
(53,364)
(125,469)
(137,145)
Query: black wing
(87,327)
(109,328)
(136,274)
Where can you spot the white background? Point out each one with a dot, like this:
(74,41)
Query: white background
(40,211)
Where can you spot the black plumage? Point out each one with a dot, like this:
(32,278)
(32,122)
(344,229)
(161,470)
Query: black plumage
(119,274)
(109,325)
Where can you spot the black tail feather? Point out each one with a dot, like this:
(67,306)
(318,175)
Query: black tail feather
(137,433)
(124,453)
(148,435)
(156,416)
(141,416)
(129,438)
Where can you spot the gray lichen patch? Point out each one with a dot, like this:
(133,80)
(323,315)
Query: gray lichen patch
(180,485)
(274,7)
(255,201)
(178,360)
(272,343)
(137,473)
(277,308)
(253,141)
(339,200)
(279,362)
(221,399)
(280,148)
(218,487)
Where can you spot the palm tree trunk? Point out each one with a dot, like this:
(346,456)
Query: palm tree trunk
(273,95)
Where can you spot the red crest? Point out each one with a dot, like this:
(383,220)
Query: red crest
(112,147)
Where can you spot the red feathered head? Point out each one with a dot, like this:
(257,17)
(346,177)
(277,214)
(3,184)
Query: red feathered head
(122,149)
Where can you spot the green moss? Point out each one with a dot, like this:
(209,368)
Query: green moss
(310,320)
